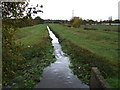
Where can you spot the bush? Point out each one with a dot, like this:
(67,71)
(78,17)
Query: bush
(11,58)
(77,23)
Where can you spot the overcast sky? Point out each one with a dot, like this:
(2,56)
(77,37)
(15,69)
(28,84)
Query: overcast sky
(86,9)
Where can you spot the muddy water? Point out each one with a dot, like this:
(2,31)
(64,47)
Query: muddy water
(58,74)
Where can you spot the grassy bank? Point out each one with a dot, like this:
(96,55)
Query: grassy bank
(90,48)
(100,27)
(37,52)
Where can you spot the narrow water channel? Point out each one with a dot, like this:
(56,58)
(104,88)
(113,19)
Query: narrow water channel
(58,74)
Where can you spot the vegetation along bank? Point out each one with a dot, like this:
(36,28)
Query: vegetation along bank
(36,54)
(90,48)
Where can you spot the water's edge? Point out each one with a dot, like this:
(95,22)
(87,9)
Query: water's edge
(58,74)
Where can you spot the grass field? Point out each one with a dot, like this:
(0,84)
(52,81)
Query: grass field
(89,48)
(31,35)
(103,43)
(100,27)
(37,52)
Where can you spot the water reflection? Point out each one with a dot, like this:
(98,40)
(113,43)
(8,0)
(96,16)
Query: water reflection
(58,74)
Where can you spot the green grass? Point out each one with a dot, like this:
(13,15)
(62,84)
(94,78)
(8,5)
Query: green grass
(31,35)
(90,48)
(100,27)
(36,57)
(114,82)
(101,42)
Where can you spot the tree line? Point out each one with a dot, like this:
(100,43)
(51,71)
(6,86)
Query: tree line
(79,21)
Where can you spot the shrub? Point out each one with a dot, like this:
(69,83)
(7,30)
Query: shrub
(11,57)
(77,23)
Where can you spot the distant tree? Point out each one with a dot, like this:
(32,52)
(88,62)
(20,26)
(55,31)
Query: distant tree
(116,21)
(84,22)
(96,22)
(37,18)
(105,21)
(28,21)
(100,22)
(110,20)
(66,21)
(77,23)
(91,21)
(72,20)
(40,20)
